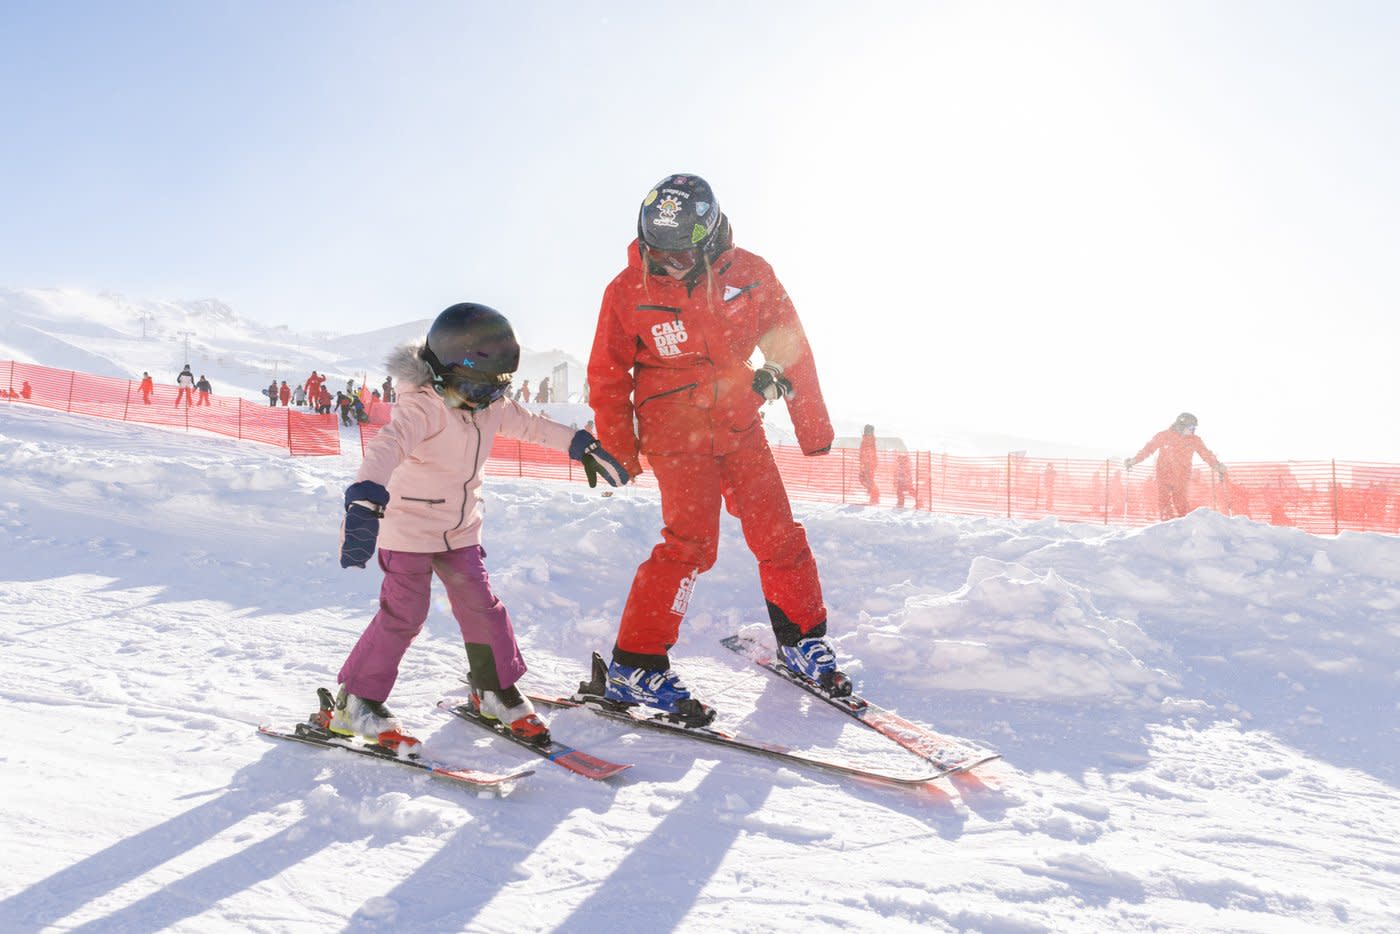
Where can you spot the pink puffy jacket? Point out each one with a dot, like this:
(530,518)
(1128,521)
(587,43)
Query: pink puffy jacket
(430,458)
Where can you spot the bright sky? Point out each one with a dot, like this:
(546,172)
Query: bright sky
(1060,221)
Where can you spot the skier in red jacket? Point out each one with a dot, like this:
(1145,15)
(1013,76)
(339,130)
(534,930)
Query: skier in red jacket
(1175,446)
(869,460)
(675,333)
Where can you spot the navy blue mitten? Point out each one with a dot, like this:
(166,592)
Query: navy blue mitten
(364,506)
(596,462)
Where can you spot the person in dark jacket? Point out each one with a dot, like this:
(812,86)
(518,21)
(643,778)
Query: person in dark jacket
(1175,445)
(204,389)
(670,356)
(186,383)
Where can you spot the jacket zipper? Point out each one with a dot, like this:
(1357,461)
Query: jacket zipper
(669,392)
(476,465)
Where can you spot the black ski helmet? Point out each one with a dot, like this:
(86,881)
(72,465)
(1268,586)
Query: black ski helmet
(1186,420)
(474,337)
(679,213)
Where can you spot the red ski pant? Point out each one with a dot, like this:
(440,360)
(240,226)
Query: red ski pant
(373,665)
(1171,500)
(1171,494)
(693,487)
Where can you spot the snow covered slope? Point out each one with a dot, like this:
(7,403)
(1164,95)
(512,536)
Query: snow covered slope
(1199,720)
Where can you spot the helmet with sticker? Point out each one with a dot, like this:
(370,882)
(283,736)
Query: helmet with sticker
(678,214)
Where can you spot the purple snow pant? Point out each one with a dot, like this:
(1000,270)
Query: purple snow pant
(373,665)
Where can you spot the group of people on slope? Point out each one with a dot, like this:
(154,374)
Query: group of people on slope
(186,385)
(669,378)
(351,404)
(869,461)
(543,393)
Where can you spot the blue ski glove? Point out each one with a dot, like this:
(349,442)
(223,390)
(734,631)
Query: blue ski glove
(364,507)
(770,383)
(586,450)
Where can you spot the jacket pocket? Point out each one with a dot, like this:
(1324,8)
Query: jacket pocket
(668,392)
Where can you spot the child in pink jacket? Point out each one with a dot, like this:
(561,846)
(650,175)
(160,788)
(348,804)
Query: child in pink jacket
(416,497)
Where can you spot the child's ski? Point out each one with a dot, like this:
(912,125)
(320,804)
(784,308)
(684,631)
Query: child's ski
(575,760)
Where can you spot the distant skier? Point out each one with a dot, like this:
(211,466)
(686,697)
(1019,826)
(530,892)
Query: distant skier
(148,386)
(869,460)
(1175,445)
(420,480)
(904,480)
(675,333)
(186,383)
(204,388)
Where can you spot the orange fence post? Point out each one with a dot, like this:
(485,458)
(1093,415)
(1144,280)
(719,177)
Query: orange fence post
(1336,519)
(1008,485)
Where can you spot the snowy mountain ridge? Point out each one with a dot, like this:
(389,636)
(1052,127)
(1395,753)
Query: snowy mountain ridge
(112,335)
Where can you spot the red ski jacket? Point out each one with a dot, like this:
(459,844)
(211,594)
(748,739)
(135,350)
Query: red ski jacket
(1174,457)
(676,356)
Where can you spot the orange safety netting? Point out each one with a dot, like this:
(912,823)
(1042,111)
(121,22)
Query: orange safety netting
(121,400)
(1316,496)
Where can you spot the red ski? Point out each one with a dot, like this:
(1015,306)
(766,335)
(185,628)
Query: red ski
(575,760)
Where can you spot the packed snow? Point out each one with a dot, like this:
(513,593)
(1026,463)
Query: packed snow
(1199,720)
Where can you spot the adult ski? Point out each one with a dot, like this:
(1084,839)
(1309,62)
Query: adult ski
(590,696)
(501,783)
(943,752)
(575,760)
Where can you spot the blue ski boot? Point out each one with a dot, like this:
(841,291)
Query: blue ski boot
(629,685)
(814,659)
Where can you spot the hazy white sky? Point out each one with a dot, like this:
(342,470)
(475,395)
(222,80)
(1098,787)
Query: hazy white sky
(1067,221)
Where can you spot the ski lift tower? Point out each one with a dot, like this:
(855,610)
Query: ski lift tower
(559,383)
(187,335)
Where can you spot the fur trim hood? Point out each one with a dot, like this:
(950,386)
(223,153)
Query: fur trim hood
(407,367)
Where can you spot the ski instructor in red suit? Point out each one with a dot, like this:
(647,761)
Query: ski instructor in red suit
(1175,446)
(676,331)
